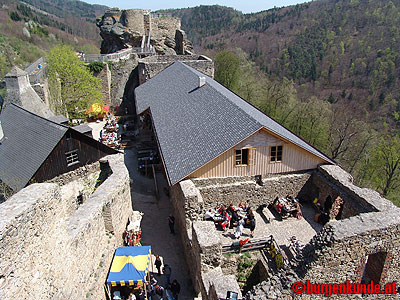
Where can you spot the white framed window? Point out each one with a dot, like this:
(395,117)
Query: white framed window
(72,158)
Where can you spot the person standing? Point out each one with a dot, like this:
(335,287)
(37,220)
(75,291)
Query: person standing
(167,272)
(175,289)
(158,264)
(171,223)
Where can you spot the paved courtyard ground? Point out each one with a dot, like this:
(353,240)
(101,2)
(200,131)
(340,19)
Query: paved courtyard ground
(155,230)
(303,229)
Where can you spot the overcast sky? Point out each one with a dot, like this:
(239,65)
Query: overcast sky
(244,6)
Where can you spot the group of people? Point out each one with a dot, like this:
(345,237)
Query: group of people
(240,216)
(287,206)
(109,133)
(156,289)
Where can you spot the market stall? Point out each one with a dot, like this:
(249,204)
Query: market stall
(129,271)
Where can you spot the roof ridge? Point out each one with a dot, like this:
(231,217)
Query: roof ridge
(213,82)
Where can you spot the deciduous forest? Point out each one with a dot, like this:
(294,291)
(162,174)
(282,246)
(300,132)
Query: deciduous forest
(327,70)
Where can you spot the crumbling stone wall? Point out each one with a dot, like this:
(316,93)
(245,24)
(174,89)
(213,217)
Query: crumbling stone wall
(332,181)
(120,74)
(165,26)
(41,244)
(152,65)
(339,253)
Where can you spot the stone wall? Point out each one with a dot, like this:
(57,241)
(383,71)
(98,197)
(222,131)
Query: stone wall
(105,81)
(332,181)
(340,251)
(236,191)
(42,243)
(165,26)
(121,73)
(20,92)
(151,66)
(202,246)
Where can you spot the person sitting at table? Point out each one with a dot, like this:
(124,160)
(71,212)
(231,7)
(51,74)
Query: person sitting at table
(226,219)
(209,215)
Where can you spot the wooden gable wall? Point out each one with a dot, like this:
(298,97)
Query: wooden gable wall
(88,149)
(294,159)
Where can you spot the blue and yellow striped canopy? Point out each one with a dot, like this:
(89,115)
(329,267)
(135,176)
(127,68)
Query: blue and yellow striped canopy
(129,266)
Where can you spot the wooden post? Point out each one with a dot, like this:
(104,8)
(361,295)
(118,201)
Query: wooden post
(108,292)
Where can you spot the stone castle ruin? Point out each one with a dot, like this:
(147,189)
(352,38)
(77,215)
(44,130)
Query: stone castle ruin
(121,29)
(72,225)
(359,245)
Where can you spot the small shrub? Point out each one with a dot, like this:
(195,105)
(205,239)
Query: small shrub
(95,67)
(15,16)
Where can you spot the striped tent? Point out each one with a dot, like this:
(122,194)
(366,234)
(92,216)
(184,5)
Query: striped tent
(130,266)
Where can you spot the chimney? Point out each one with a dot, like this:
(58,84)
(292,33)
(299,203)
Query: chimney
(202,81)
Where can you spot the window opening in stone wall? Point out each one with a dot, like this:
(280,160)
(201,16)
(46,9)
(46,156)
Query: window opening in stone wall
(245,157)
(72,158)
(374,267)
(276,153)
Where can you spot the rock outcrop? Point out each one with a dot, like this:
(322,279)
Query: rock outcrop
(121,29)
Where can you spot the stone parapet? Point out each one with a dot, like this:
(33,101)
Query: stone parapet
(42,243)
(366,197)
(152,65)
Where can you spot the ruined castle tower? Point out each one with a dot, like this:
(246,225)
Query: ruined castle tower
(20,92)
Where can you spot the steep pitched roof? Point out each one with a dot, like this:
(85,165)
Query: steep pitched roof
(194,125)
(29,141)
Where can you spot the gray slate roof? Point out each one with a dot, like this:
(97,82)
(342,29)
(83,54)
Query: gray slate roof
(29,141)
(59,119)
(83,128)
(195,125)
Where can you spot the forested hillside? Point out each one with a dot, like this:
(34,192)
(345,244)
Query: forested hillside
(328,70)
(29,29)
(339,50)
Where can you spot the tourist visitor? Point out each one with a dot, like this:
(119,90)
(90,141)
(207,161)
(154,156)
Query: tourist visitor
(251,221)
(171,223)
(158,264)
(167,272)
(175,289)
(239,229)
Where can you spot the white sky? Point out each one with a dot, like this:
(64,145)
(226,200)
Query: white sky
(244,6)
